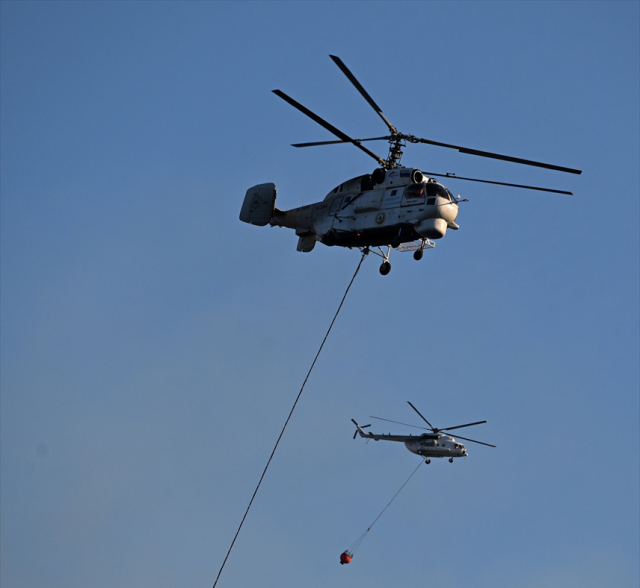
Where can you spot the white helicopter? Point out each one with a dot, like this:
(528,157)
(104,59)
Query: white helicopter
(395,206)
(437,444)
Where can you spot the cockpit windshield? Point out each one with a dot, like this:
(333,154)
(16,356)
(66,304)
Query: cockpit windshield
(434,189)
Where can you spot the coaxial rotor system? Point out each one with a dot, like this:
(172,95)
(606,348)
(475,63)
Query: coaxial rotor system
(398,140)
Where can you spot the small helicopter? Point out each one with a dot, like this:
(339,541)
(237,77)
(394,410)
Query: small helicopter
(394,207)
(437,444)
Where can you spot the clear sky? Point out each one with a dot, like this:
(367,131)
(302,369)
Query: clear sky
(152,344)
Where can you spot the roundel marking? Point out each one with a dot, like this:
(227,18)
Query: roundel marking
(380,218)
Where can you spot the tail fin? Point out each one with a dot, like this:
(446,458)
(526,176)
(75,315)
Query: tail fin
(259,204)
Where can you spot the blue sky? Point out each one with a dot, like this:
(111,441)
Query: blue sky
(152,344)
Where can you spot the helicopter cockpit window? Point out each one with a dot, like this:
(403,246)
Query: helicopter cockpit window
(434,189)
(414,191)
(451,196)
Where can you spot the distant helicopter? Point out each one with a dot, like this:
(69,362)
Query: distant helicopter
(437,444)
(395,206)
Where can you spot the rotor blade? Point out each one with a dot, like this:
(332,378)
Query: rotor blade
(498,156)
(460,426)
(474,441)
(326,125)
(365,94)
(454,177)
(358,427)
(425,420)
(398,422)
(337,142)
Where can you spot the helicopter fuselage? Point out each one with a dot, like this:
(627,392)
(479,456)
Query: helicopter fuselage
(436,446)
(426,445)
(386,208)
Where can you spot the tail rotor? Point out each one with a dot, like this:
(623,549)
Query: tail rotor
(358,428)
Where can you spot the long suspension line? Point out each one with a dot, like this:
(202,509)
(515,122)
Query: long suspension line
(288,418)
(360,539)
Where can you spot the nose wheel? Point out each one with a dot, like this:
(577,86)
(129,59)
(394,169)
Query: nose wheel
(385,268)
(418,253)
(451,460)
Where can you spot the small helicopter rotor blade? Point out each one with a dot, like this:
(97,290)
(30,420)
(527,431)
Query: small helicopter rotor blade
(496,156)
(315,143)
(474,441)
(460,426)
(338,133)
(398,422)
(425,420)
(345,70)
(454,177)
(358,427)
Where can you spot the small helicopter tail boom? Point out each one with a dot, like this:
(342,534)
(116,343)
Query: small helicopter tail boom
(259,204)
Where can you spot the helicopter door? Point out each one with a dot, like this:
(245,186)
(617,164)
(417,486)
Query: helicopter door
(335,206)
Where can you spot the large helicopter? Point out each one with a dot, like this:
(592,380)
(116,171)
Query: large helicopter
(394,207)
(438,443)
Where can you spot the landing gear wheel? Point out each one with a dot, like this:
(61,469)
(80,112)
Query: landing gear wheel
(451,460)
(385,268)
(417,255)
(427,460)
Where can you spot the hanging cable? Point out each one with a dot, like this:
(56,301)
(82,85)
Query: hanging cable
(288,418)
(349,552)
